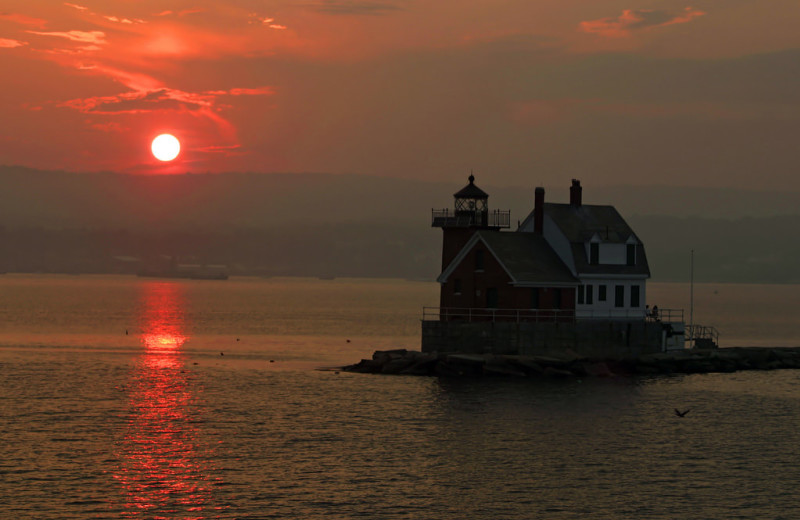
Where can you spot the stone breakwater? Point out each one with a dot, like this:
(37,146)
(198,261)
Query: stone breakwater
(694,361)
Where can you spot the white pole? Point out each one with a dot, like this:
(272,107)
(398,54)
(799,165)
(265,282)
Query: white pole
(691,301)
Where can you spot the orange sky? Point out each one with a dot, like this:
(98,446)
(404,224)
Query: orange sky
(521,92)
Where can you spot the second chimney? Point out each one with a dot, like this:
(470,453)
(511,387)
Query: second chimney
(575,194)
(538,211)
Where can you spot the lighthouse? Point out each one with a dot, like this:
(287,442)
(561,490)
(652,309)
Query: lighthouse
(470,213)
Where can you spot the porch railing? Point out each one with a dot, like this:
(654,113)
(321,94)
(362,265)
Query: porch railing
(544,315)
(518,315)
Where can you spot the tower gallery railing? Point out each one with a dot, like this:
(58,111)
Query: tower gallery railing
(450,218)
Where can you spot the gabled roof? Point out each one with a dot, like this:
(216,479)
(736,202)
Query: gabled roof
(580,223)
(527,258)
(585,223)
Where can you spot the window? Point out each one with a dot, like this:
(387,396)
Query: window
(491,298)
(479,260)
(534,298)
(580,294)
(594,253)
(556,298)
(589,295)
(634,295)
(457,286)
(631,254)
(619,296)
(601,293)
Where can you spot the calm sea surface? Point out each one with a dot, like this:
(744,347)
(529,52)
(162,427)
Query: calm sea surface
(131,398)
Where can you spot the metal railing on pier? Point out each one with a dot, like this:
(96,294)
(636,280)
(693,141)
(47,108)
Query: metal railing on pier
(666,315)
(518,315)
(609,314)
(702,334)
(545,315)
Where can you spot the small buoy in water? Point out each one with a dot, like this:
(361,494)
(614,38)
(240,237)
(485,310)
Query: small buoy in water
(221,353)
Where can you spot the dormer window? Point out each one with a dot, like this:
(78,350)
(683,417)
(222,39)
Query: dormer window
(594,253)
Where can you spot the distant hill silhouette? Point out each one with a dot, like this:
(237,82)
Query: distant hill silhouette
(354,225)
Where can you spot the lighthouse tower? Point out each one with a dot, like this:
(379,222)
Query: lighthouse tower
(470,214)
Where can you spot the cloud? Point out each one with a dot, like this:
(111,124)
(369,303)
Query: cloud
(123,20)
(138,102)
(133,80)
(634,20)
(159,100)
(227,150)
(354,7)
(263,91)
(6,43)
(110,18)
(92,37)
(22,19)
(75,6)
(182,13)
(265,20)
(196,10)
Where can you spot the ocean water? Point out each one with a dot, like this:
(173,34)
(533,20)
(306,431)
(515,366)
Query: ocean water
(132,398)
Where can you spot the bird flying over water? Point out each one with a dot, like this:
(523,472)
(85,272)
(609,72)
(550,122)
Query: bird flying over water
(681,414)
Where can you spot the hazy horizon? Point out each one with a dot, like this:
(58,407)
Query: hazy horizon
(271,224)
(398,195)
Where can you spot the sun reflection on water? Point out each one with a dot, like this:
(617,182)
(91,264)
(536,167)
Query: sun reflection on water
(164,467)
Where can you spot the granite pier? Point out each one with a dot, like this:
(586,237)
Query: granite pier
(687,361)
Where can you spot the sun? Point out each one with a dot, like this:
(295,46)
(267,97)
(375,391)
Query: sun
(166,147)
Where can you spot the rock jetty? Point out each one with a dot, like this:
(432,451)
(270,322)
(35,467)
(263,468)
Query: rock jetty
(694,361)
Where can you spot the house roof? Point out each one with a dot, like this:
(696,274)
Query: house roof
(470,191)
(581,223)
(526,257)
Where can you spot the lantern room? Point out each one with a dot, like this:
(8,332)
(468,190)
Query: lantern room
(471,209)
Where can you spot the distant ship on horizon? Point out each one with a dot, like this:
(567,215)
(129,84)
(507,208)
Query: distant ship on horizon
(187,271)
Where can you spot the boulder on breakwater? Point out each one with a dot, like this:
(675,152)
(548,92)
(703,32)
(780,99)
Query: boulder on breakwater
(694,361)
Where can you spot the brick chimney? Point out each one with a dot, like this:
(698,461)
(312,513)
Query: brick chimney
(575,193)
(538,211)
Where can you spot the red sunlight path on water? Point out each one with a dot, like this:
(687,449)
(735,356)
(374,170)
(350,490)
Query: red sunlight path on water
(163,468)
